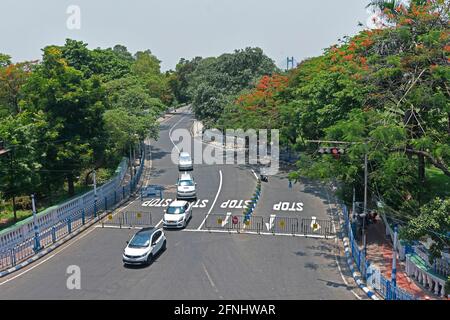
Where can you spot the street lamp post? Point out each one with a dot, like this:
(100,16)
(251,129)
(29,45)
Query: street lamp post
(95,194)
(37,242)
(365,203)
(394,263)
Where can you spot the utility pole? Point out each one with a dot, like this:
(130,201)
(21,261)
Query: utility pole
(131,164)
(37,242)
(366,175)
(95,193)
(365,203)
(394,262)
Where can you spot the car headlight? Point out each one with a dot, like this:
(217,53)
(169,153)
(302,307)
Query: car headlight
(181,219)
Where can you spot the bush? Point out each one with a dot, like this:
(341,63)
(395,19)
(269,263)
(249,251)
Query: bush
(23,203)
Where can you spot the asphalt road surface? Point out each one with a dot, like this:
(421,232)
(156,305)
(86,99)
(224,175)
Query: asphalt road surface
(198,264)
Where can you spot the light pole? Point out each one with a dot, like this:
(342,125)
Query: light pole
(394,263)
(131,164)
(365,203)
(37,242)
(95,194)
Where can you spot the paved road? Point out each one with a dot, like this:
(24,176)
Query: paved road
(197,264)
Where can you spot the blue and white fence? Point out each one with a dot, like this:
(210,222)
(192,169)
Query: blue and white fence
(254,202)
(370,273)
(54,223)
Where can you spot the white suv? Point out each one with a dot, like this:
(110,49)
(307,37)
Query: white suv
(185,162)
(177,214)
(186,187)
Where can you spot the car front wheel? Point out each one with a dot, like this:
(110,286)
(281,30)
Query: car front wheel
(149,259)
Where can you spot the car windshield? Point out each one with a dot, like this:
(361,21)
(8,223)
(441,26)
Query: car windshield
(175,210)
(140,241)
(186,183)
(185,158)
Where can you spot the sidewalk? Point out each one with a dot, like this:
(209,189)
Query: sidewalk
(379,252)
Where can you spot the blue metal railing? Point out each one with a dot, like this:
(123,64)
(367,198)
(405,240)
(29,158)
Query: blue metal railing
(51,234)
(385,287)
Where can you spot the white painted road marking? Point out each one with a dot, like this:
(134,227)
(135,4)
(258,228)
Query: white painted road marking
(163,203)
(312,236)
(269,225)
(224,223)
(288,206)
(255,174)
(170,132)
(214,202)
(236,204)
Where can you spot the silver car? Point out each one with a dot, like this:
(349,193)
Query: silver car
(144,246)
(185,162)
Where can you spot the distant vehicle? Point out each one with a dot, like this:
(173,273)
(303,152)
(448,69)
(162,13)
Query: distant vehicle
(177,214)
(186,187)
(185,162)
(144,246)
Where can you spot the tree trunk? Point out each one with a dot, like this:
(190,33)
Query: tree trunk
(448,127)
(14,208)
(71,185)
(421,172)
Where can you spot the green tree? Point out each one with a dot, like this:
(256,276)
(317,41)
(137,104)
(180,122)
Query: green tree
(216,82)
(20,172)
(73,107)
(433,222)
(12,79)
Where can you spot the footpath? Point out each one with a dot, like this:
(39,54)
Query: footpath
(380,251)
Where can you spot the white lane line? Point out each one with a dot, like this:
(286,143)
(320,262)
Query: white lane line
(335,256)
(170,132)
(48,258)
(214,202)
(63,247)
(159,223)
(117,227)
(209,278)
(255,174)
(311,236)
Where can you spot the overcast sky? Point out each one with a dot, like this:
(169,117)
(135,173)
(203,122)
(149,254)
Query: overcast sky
(172,29)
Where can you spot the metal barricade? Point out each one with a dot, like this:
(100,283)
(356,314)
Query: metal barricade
(284,225)
(128,219)
(313,226)
(273,224)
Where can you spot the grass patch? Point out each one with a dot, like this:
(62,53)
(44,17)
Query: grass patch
(437,184)
(7,215)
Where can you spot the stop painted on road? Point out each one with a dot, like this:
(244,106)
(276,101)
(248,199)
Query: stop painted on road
(288,206)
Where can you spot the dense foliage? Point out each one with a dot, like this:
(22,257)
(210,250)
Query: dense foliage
(385,92)
(215,82)
(75,111)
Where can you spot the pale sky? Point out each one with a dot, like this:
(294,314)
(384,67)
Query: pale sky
(172,29)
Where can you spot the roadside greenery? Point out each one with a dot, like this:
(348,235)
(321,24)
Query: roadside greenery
(383,91)
(215,82)
(74,111)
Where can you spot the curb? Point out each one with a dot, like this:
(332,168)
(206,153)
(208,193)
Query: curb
(371,294)
(56,245)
